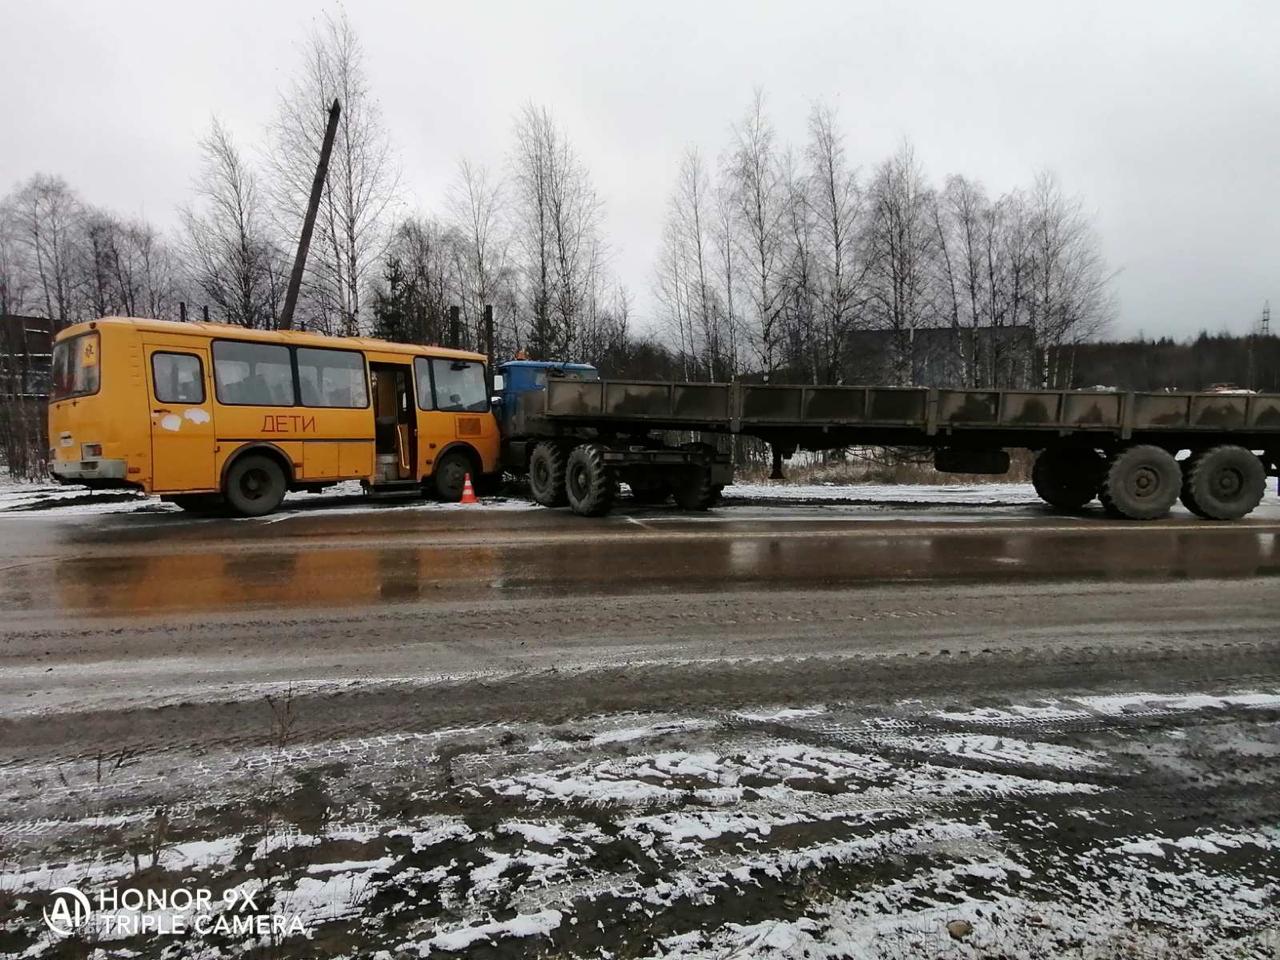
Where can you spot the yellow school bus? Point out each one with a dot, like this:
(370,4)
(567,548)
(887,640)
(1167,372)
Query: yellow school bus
(210,416)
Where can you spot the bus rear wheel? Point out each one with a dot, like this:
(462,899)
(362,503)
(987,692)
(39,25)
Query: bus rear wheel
(255,486)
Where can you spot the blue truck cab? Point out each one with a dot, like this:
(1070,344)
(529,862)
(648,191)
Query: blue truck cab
(519,376)
(571,461)
(530,376)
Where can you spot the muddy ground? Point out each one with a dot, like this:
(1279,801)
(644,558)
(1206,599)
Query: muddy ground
(804,732)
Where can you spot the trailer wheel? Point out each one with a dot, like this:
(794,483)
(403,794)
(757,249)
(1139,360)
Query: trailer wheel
(255,486)
(695,491)
(1185,494)
(588,481)
(1223,483)
(546,475)
(1141,483)
(1067,479)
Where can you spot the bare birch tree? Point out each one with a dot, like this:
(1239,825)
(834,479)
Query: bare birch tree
(1070,300)
(15,271)
(900,246)
(960,218)
(230,253)
(801,302)
(759,201)
(558,218)
(47,218)
(837,207)
(359,192)
(685,282)
(476,205)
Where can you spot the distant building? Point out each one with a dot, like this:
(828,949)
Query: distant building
(26,355)
(26,361)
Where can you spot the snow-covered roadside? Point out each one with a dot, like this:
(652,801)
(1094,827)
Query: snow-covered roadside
(55,500)
(33,500)
(978,494)
(786,830)
(50,499)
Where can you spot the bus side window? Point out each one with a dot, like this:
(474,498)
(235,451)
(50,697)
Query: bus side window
(178,378)
(253,374)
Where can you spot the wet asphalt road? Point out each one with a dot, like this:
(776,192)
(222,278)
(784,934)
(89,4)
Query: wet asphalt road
(142,609)
(166,564)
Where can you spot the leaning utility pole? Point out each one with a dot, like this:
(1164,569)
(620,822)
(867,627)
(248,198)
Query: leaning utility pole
(309,221)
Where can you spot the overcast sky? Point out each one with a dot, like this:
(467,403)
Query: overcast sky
(1164,117)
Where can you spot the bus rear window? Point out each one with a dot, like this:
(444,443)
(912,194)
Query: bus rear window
(76,367)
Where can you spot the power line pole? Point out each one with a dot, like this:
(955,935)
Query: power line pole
(309,221)
(1266,319)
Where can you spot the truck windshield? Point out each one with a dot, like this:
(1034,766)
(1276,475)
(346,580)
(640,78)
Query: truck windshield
(75,367)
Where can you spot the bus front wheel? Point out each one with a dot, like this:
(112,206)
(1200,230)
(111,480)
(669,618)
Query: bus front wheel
(255,486)
(450,475)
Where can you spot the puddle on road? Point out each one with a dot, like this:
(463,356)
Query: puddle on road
(335,577)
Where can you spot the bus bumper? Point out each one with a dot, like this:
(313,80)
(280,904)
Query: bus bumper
(113,472)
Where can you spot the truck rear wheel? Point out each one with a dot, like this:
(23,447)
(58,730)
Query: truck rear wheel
(255,486)
(546,475)
(1223,483)
(1066,478)
(1141,483)
(588,481)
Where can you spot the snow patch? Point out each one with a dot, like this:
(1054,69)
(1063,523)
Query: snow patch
(525,925)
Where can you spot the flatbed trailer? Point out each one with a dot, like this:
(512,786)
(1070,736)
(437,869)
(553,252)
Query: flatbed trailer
(1120,447)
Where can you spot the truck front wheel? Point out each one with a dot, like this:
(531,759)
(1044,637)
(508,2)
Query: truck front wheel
(546,475)
(588,481)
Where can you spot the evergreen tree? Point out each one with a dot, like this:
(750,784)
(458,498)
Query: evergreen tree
(393,312)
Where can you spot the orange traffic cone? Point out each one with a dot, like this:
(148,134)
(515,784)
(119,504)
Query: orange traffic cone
(468,491)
